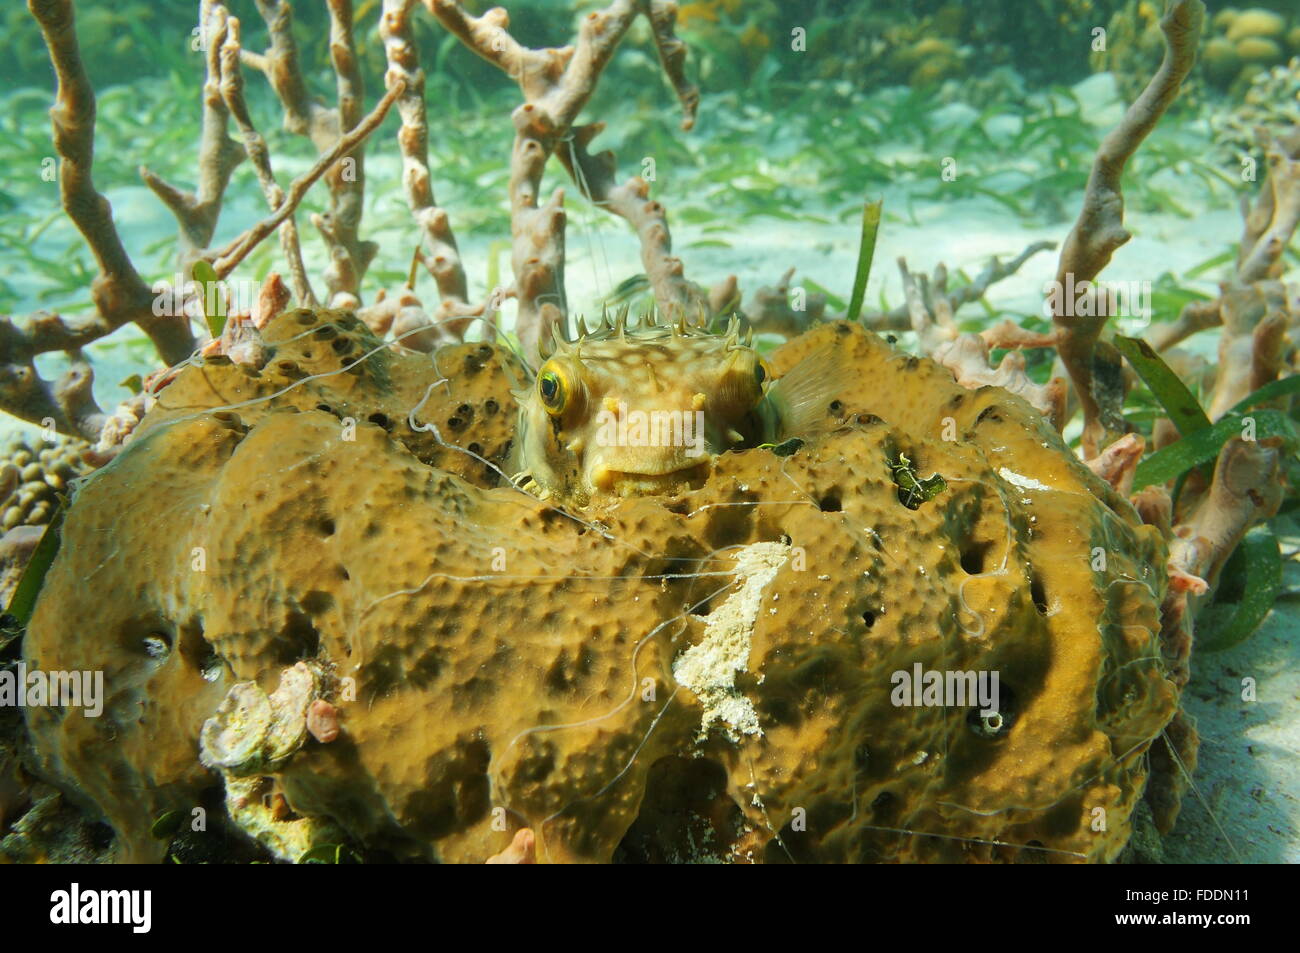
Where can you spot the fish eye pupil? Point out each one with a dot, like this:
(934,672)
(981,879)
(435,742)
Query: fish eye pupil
(549,385)
(760,373)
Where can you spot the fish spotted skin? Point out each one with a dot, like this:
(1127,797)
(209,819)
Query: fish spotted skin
(631,410)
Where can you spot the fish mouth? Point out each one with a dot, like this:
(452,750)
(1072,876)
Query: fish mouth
(627,483)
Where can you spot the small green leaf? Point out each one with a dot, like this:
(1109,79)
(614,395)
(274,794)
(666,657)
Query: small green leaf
(694,216)
(1211,263)
(1203,445)
(203,271)
(1270,391)
(1258,562)
(1171,392)
(329,854)
(206,276)
(832,299)
(322,854)
(167,825)
(29,584)
(494,262)
(627,289)
(866,251)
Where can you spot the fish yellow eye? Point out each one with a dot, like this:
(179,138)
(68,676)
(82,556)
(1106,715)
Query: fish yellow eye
(552,391)
(556,388)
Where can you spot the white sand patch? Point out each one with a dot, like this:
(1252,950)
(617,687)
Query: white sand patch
(709,669)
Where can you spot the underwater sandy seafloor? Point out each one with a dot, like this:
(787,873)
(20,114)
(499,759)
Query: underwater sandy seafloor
(772,177)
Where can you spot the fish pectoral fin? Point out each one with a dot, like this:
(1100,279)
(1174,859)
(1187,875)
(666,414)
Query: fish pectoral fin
(802,397)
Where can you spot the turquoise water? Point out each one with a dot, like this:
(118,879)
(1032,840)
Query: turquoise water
(788,142)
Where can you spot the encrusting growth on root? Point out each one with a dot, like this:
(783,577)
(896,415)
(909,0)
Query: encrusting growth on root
(900,317)
(225,33)
(232,254)
(556,84)
(1246,490)
(219,154)
(966,355)
(325,126)
(440,254)
(1252,303)
(674,295)
(119,293)
(1100,230)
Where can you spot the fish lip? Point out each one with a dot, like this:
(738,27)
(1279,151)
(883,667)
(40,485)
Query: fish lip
(642,482)
(666,467)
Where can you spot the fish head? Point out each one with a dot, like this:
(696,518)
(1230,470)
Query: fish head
(628,411)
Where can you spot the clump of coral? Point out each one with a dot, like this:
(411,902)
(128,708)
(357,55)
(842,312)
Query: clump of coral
(33,472)
(1245,43)
(1239,46)
(1272,100)
(1132,36)
(920,44)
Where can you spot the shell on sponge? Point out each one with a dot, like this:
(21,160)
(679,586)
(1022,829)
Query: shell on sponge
(252,731)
